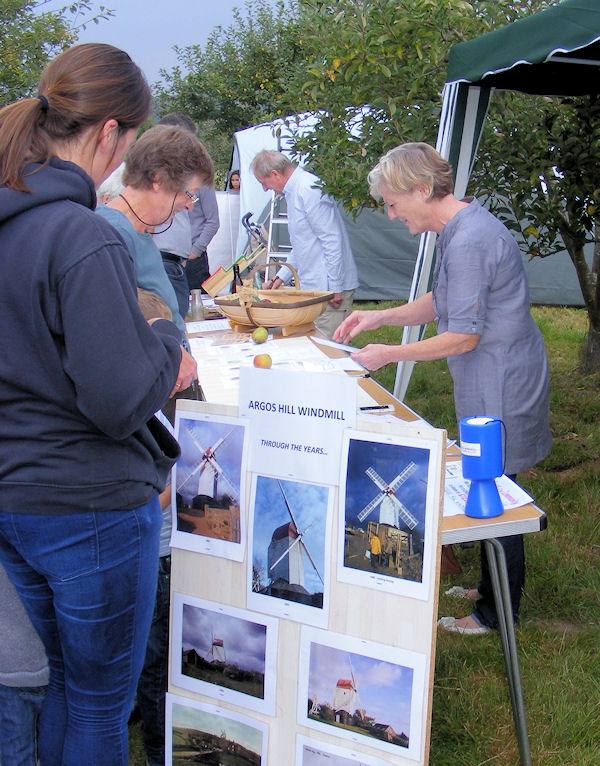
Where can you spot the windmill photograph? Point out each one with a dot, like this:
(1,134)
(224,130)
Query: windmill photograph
(208,478)
(384,491)
(360,696)
(201,733)
(217,650)
(289,531)
(313,753)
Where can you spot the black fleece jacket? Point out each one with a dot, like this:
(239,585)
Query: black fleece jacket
(81,371)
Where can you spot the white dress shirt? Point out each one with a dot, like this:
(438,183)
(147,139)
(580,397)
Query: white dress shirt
(321,252)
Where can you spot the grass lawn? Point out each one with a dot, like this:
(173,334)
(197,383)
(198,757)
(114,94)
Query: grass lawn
(558,634)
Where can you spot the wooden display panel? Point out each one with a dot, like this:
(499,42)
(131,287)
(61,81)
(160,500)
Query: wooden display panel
(373,620)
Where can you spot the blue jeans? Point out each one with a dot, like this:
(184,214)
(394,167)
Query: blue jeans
(19,711)
(154,680)
(177,277)
(88,583)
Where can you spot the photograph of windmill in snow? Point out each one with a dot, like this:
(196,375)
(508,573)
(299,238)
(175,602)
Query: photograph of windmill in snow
(361,690)
(289,532)
(224,652)
(209,484)
(385,495)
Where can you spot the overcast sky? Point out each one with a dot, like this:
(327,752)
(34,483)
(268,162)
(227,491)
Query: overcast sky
(148,29)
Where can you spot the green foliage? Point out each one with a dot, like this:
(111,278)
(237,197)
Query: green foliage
(31,36)
(389,55)
(240,75)
(538,157)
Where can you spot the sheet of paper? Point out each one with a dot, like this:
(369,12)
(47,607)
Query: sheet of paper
(333,344)
(207,325)
(296,422)
(456,490)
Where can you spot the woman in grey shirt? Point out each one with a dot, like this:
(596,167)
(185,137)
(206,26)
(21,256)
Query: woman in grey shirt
(480,301)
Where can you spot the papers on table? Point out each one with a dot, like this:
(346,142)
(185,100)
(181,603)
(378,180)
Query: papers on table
(333,344)
(207,325)
(456,489)
(220,358)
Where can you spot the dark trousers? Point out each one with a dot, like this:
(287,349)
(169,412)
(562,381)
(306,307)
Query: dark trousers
(485,608)
(197,271)
(177,277)
(153,682)
(514,551)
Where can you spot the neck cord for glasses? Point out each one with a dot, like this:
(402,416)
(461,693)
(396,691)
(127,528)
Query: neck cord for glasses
(153,225)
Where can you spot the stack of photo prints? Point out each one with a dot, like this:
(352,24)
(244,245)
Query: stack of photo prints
(372,534)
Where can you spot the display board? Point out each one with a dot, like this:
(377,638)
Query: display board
(304,599)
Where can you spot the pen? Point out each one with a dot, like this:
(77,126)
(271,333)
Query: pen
(388,407)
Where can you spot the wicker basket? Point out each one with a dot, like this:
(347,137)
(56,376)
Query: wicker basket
(286,307)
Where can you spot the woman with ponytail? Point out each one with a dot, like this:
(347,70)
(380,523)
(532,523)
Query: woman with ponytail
(81,374)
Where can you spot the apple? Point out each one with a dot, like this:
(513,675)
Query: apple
(260,335)
(263,360)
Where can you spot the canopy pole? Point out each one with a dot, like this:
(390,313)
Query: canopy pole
(464,109)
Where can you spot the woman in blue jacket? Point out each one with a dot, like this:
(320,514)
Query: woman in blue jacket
(81,374)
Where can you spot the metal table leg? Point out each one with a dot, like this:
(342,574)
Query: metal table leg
(506,628)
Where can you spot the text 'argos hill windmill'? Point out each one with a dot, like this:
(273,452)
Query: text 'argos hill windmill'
(391,510)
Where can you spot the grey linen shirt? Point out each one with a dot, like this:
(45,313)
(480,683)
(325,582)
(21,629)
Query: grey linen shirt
(480,287)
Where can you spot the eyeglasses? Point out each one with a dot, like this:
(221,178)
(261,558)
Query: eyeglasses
(194,197)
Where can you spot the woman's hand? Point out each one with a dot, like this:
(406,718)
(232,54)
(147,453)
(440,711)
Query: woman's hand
(357,322)
(373,356)
(187,372)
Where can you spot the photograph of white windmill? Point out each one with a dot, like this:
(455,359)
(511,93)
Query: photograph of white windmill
(288,540)
(385,500)
(363,695)
(207,478)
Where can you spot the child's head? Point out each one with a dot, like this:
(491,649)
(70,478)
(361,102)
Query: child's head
(152,306)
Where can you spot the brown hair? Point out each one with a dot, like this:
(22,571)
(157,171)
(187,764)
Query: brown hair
(170,153)
(410,165)
(85,85)
(152,305)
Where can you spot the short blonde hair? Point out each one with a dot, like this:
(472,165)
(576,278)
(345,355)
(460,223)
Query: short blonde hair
(407,166)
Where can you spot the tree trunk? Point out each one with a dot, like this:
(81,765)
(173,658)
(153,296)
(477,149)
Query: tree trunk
(591,352)
(590,290)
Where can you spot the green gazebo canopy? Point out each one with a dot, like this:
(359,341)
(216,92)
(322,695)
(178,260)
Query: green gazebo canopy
(555,52)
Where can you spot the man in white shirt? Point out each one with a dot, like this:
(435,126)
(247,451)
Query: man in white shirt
(321,252)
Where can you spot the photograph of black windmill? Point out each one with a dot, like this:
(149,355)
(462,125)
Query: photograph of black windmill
(289,527)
